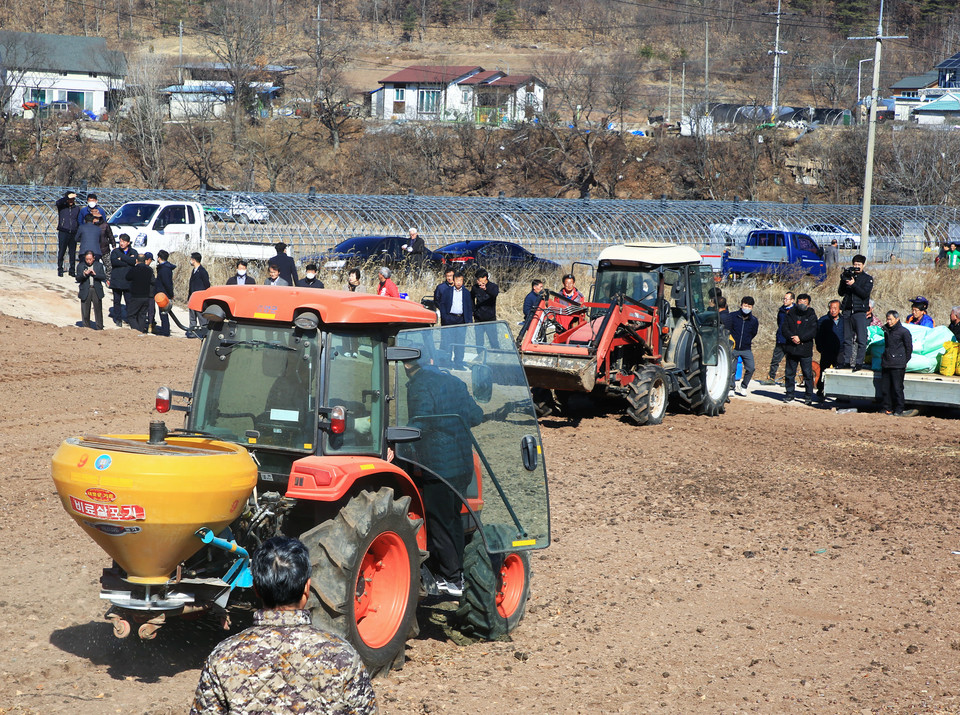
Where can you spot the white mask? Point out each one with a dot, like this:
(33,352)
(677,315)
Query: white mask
(311,276)
(91,204)
(746,309)
(241,271)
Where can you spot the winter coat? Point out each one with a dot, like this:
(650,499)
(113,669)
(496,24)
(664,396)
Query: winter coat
(99,276)
(829,338)
(897,348)
(446,305)
(288,269)
(804,326)
(485,302)
(164,282)
(141,279)
(199,280)
(67,215)
(781,314)
(308,283)
(444,446)
(531,303)
(925,321)
(743,328)
(122,263)
(88,236)
(856,297)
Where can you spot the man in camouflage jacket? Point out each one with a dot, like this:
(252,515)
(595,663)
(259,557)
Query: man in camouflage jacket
(283,664)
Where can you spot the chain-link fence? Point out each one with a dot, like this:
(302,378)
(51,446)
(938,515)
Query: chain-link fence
(560,229)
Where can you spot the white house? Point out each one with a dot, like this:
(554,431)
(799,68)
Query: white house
(910,92)
(62,71)
(457,93)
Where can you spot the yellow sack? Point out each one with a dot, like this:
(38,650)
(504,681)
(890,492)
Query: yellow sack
(948,361)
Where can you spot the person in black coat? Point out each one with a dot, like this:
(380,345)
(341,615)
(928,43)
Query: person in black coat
(829,340)
(67,225)
(141,280)
(800,330)
(743,327)
(484,295)
(122,258)
(854,303)
(311,280)
(199,280)
(91,277)
(897,349)
(240,278)
(285,264)
(164,284)
(532,301)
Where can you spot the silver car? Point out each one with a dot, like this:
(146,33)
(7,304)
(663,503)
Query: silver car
(824,233)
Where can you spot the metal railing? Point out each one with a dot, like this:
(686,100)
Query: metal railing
(560,229)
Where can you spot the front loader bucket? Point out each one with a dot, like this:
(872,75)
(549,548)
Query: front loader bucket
(143,503)
(560,372)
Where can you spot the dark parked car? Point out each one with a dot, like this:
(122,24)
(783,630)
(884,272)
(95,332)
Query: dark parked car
(382,250)
(506,261)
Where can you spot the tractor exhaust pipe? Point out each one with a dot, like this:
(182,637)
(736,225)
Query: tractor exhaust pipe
(158,433)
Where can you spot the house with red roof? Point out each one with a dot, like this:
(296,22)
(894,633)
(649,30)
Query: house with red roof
(457,93)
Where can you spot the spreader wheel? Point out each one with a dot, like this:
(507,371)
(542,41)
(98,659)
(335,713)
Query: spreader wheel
(495,590)
(148,631)
(121,627)
(647,396)
(365,580)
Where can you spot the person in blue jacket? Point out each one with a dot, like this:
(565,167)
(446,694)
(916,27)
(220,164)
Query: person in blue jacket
(743,328)
(918,313)
(532,301)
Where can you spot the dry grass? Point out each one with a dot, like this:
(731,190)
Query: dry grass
(894,285)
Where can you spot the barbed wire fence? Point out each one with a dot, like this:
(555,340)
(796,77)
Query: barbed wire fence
(560,229)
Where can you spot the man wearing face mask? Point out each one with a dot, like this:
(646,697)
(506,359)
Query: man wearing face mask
(241,278)
(743,329)
(311,280)
(91,205)
(800,329)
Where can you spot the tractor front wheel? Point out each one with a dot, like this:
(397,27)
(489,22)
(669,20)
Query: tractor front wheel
(647,396)
(365,578)
(495,590)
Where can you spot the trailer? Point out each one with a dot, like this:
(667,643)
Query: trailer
(926,389)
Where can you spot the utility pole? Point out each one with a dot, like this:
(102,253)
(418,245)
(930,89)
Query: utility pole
(776,52)
(670,96)
(683,88)
(706,68)
(180,61)
(872,130)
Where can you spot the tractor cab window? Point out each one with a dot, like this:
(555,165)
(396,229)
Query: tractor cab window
(468,396)
(637,284)
(354,381)
(257,385)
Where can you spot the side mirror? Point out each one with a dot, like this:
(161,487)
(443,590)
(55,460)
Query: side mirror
(671,277)
(482,378)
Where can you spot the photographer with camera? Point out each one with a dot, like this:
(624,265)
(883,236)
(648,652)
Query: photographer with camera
(854,290)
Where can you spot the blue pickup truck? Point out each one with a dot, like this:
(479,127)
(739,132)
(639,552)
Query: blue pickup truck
(787,254)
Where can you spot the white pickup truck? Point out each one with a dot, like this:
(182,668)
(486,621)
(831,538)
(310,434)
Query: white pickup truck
(180,226)
(735,233)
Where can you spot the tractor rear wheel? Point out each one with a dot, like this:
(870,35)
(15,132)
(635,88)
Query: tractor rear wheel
(365,580)
(495,590)
(647,396)
(707,385)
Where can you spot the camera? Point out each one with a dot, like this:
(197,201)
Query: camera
(849,273)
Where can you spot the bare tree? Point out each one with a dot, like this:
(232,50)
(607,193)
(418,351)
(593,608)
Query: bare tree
(622,83)
(144,134)
(331,94)
(244,43)
(922,170)
(831,79)
(21,54)
(195,145)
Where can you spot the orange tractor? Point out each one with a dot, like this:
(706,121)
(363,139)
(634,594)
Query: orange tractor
(648,334)
(301,422)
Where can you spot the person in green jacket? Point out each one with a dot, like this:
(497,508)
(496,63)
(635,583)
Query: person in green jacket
(953,256)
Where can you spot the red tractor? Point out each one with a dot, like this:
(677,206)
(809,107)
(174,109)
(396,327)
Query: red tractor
(649,334)
(302,421)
